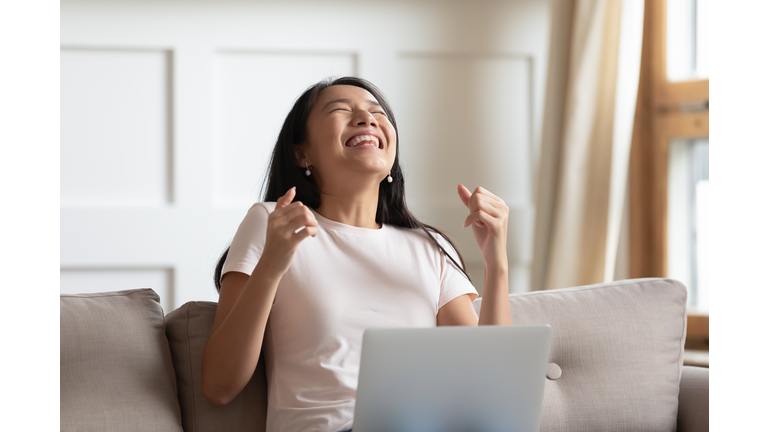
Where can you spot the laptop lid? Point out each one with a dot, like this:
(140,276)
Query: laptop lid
(446,379)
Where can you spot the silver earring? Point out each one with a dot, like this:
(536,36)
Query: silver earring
(307,172)
(389,177)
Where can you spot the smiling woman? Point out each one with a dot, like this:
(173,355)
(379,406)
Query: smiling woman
(350,140)
(332,251)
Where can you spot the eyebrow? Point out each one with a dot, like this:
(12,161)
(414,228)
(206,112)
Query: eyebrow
(347,101)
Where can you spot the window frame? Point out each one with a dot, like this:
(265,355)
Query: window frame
(658,120)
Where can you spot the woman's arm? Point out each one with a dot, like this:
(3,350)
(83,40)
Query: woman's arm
(232,351)
(488,216)
(234,345)
(495,308)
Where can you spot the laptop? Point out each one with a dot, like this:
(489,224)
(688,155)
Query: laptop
(452,379)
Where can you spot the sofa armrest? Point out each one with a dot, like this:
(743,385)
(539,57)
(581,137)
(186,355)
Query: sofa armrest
(693,400)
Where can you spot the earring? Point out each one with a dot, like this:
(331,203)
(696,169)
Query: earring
(389,177)
(307,172)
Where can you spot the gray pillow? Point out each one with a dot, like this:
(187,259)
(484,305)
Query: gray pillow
(187,328)
(616,355)
(116,370)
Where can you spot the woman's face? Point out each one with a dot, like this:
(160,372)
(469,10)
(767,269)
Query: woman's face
(349,137)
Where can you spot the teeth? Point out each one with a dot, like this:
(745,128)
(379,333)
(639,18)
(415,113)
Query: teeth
(365,138)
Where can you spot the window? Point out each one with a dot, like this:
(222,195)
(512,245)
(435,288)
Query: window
(687,44)
(669,164)
(687,217)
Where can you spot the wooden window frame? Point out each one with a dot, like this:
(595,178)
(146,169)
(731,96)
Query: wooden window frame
(659,119)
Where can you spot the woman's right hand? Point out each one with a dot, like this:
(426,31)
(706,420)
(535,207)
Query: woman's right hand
(282,236)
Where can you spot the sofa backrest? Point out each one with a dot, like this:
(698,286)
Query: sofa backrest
(616,355)
(116,370)
(615,360)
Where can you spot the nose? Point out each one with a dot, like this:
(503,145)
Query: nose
(364,118)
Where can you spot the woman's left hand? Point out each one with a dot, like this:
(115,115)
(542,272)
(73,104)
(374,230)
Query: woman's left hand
(488,216)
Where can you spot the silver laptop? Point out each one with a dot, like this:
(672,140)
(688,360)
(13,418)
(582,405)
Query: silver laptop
(452,379)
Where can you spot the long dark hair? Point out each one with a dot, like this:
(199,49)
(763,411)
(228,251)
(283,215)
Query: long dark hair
(285,173)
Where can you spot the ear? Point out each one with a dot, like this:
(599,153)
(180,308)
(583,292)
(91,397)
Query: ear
(299,157)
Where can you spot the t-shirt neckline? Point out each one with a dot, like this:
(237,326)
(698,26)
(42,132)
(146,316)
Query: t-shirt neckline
(338,226)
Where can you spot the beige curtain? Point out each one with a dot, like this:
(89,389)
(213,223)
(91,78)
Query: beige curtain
(583,164)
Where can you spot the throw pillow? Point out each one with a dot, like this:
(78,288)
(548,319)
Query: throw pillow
(616,355)
(116,369)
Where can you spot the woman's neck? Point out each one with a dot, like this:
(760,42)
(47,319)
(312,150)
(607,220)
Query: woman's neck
(351,205)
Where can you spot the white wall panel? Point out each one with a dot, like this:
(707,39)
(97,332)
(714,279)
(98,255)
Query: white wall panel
(115,128)
(253,92)
(95,280)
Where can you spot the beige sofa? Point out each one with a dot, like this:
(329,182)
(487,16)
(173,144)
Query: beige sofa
(615,362)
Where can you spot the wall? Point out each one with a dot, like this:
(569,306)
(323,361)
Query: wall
(169,110)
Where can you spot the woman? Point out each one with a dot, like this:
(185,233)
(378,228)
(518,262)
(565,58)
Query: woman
(334,251)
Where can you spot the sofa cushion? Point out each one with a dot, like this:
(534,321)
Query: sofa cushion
(116,370)
(187,329)
(619,350)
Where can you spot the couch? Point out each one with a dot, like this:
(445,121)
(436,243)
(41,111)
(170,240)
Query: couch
(615,362)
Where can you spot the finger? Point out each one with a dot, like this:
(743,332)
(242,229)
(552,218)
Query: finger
(485,192)
(304,232)
(487,204)
(475,218)
(286,199)
(311,231)
(281,216)
(464,194)
(300,221)
(481,198)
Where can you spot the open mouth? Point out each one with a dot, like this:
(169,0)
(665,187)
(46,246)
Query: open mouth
(363,141)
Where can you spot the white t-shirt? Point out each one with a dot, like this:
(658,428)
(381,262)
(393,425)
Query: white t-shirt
(341,282)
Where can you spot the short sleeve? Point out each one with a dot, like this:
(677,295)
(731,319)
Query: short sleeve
(453,282)
(248,243)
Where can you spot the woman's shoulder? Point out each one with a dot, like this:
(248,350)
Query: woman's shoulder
(258,214)
(261,209)
(269,206)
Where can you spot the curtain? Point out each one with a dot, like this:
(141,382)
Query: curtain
(594,67)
